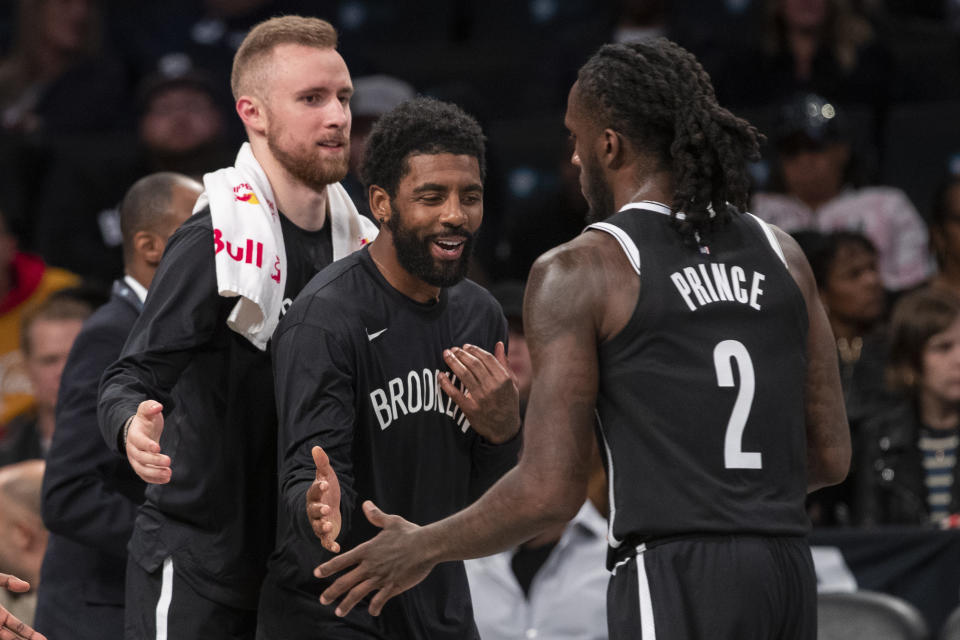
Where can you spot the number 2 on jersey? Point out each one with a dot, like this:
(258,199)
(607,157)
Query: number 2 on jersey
(734,457)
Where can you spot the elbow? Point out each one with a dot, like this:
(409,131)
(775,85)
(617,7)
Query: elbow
(831,468)
(559,503)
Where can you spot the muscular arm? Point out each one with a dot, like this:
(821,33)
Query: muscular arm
(549,483)
(828,434)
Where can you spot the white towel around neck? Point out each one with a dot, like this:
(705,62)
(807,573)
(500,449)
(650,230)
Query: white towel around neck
(248,242)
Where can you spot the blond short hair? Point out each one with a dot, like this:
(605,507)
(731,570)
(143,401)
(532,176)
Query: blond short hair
(248,63)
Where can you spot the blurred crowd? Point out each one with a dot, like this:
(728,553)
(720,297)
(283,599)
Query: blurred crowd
(858,99)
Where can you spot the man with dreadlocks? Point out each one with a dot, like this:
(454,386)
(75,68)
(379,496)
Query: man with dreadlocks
(695,334)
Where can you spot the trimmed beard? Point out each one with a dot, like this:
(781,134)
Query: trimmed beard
(597,193)
(413,254)
(309,169)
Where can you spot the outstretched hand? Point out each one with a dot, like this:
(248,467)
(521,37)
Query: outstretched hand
(390,563)
(323,502)
(492,399)
(12,628)
(143,444)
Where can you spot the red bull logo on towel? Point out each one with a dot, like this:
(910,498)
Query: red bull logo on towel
(249,252)
(243,192)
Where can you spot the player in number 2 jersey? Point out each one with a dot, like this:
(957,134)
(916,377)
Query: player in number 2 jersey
(694,333)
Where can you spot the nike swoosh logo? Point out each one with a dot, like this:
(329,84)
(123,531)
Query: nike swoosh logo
(373,336)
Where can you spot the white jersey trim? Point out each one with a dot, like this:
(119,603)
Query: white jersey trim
(626,243)
(771,238)
(611,496)
(648,630)
(166,596)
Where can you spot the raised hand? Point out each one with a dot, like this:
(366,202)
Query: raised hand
(389,564)
(323,502)
(10,627)
(143,444)
(492,400)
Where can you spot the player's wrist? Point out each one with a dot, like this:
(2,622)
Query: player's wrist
(506,436)
(124,432)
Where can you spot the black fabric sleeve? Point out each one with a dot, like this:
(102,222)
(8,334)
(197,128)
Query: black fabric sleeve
(81,498)
(182,311)
(313,377)
(490,461)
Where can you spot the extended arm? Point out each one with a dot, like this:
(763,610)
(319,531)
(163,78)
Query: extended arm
(315,404)
(564,298)
(180,315)
(828,434)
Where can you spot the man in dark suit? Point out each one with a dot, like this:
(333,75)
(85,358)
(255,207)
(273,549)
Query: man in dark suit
(90,495)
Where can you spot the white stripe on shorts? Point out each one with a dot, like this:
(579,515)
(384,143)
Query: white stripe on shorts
(166,595)
(647,629)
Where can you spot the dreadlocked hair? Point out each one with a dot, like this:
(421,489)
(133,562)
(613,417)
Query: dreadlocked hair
(657,95)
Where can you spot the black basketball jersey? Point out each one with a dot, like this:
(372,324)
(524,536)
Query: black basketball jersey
(701,396)
(356,364)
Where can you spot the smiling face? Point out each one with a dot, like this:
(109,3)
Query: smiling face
(307,109)
(437,210)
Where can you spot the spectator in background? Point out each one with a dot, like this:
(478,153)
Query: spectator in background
(844,264)
(820,46)
(173,36)
(25,282)
(54,79)
(46,336)
(179,129)
(945,234)
(90,495)
(819,193)
(554,585)
(372,97)
(22,535)
(909,471)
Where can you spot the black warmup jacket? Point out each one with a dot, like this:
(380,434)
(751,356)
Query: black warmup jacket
(356,364)
(217,515)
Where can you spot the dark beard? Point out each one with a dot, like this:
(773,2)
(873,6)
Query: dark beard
(413,254)
(598,195)
(309,170)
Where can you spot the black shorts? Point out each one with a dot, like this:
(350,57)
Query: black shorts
(163,606)
(716,587)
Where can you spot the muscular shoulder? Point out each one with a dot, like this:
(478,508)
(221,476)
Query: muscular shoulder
(589,277)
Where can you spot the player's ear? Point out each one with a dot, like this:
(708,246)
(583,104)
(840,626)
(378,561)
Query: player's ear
(252,114)
(612,149)
(379,203)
